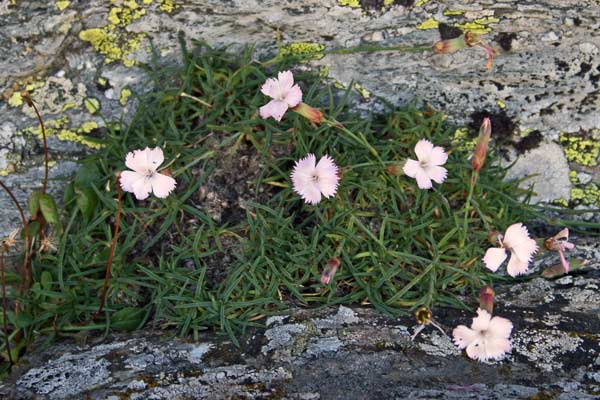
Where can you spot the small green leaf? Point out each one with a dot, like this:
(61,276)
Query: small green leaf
(87,200)
(46,280)
(20,321)
(49,209)
(128,318)
(34,203)
(69,195)
(33,228)
(87,175)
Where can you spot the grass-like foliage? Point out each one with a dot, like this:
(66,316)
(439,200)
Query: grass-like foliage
(234,243)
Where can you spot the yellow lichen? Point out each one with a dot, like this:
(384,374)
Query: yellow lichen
(501,104)
(561,202)
(431,23)
(588,195)
(68,135)
(168,6)
(460,140)
(68,106)
(87,127)
(62,4)
(420,3)
(580,150)
(349,3)
(573,177)
(312,50)
(92,105)
(15,100)
(453,12)
(388,2)
(479,25)
(147,1)
(113,15)
(102,81)
(125,93)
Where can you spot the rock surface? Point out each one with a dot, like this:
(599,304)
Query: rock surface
(345,353)
(80,59)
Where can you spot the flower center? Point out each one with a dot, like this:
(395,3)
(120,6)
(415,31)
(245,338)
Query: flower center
(149,173)
(315,178)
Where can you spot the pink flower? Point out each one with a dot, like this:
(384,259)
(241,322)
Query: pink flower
(560,242)
(310,180)
(488,338)
(521,247)
(428,167)
(144,178)
(284,94)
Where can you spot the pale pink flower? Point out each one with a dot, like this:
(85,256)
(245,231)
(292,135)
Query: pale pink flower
(284,94)
(312,179)
(516,240)
(144,178)
(488,338)
(428,167)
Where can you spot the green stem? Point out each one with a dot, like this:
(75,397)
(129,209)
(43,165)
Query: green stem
(467,207)
(359,140)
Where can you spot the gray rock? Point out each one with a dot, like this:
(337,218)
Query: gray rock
(549,171)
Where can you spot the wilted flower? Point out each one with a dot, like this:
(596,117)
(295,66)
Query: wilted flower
(48,244)
(521,247)
(311,179)
(428,167)
(11,240)
(450,45)
(488,338)
(560,242)
(144,178)
(482,144)
(332,266)
(284,94)
(473,39)
(424,317)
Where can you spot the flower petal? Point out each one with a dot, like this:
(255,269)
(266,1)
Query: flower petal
(494,348)
(482,321)
(270,88)
(423,180)
(500,328)
(142,188)
(162,185)
(137,160)
(515,234)
(411,167)
(327,173)
(493,258)
(293,97)
(436,173)
(516,266)
(476,350)
(286,80)
(464,336)
(127,179)
(438,156)
(423,150)
(155,157)
(274,108)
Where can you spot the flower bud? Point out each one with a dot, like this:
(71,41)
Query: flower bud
(395,169)
(485,131)
(494,237)
(450,45)
(332,266)
(314,115)
(486,298)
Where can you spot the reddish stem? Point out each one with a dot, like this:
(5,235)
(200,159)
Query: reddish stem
(111,255)
(26,267)
(4,319)
(31,104)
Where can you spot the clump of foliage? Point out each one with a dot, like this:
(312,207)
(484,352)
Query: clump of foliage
(176,266)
